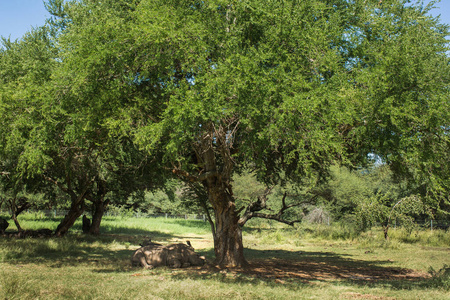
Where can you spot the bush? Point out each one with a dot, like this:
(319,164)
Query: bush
(440,278)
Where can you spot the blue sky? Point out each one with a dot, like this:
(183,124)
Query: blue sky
(18,16)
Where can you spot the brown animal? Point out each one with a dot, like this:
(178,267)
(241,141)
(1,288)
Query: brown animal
(175,256)
(3,225)
(86,225)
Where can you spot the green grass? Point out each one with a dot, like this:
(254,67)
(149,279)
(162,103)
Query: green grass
(307,262)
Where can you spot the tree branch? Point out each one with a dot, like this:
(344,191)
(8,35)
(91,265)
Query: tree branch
(258,205)
(58,184)
(253,209)
(194,178)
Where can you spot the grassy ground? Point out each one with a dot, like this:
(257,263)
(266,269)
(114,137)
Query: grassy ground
(307,262)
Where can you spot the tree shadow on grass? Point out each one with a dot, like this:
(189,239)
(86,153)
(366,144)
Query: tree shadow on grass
(297,268)
(322,266)
(285,266)
(106,254)
(77,249)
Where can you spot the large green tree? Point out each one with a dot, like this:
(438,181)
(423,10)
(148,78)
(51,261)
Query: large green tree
(47,139)
(283,88)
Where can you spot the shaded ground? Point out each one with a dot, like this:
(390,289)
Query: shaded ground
(271,265)
(283,265)
(308,270)
(293,269)
(283,270)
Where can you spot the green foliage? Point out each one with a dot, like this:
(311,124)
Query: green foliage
(440,278)
(112,98)
(373,196)
(382,210)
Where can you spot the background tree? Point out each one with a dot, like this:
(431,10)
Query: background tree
(25,69)
(45,139)
(94,164)
(401,68)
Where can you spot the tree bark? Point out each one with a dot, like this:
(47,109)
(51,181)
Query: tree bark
(18,208)
(86,225)
(228,246)
(99,210)
(385,230)
(16,221)
(75,211)
(227,233)
(99,205)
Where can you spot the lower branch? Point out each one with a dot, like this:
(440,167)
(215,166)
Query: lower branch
(276,217)
(253,209)
(186,176)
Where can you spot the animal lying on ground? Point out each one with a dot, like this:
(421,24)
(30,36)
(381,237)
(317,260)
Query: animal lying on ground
(176,256)
(3,225)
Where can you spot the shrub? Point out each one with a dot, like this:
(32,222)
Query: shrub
(440,278)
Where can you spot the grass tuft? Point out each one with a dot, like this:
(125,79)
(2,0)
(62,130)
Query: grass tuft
(17,286)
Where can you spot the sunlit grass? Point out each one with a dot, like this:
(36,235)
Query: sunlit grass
(87,267)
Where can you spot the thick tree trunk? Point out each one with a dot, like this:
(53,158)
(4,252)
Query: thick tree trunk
(86,224)
(216,179)
(99,210)
(96,220)
(75,211)
(99,206)
(228,245)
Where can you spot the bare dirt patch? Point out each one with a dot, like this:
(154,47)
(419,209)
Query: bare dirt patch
(363,296)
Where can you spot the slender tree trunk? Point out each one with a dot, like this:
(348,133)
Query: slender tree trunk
(208,216)
(385,230)
(16,221)
(18,208)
